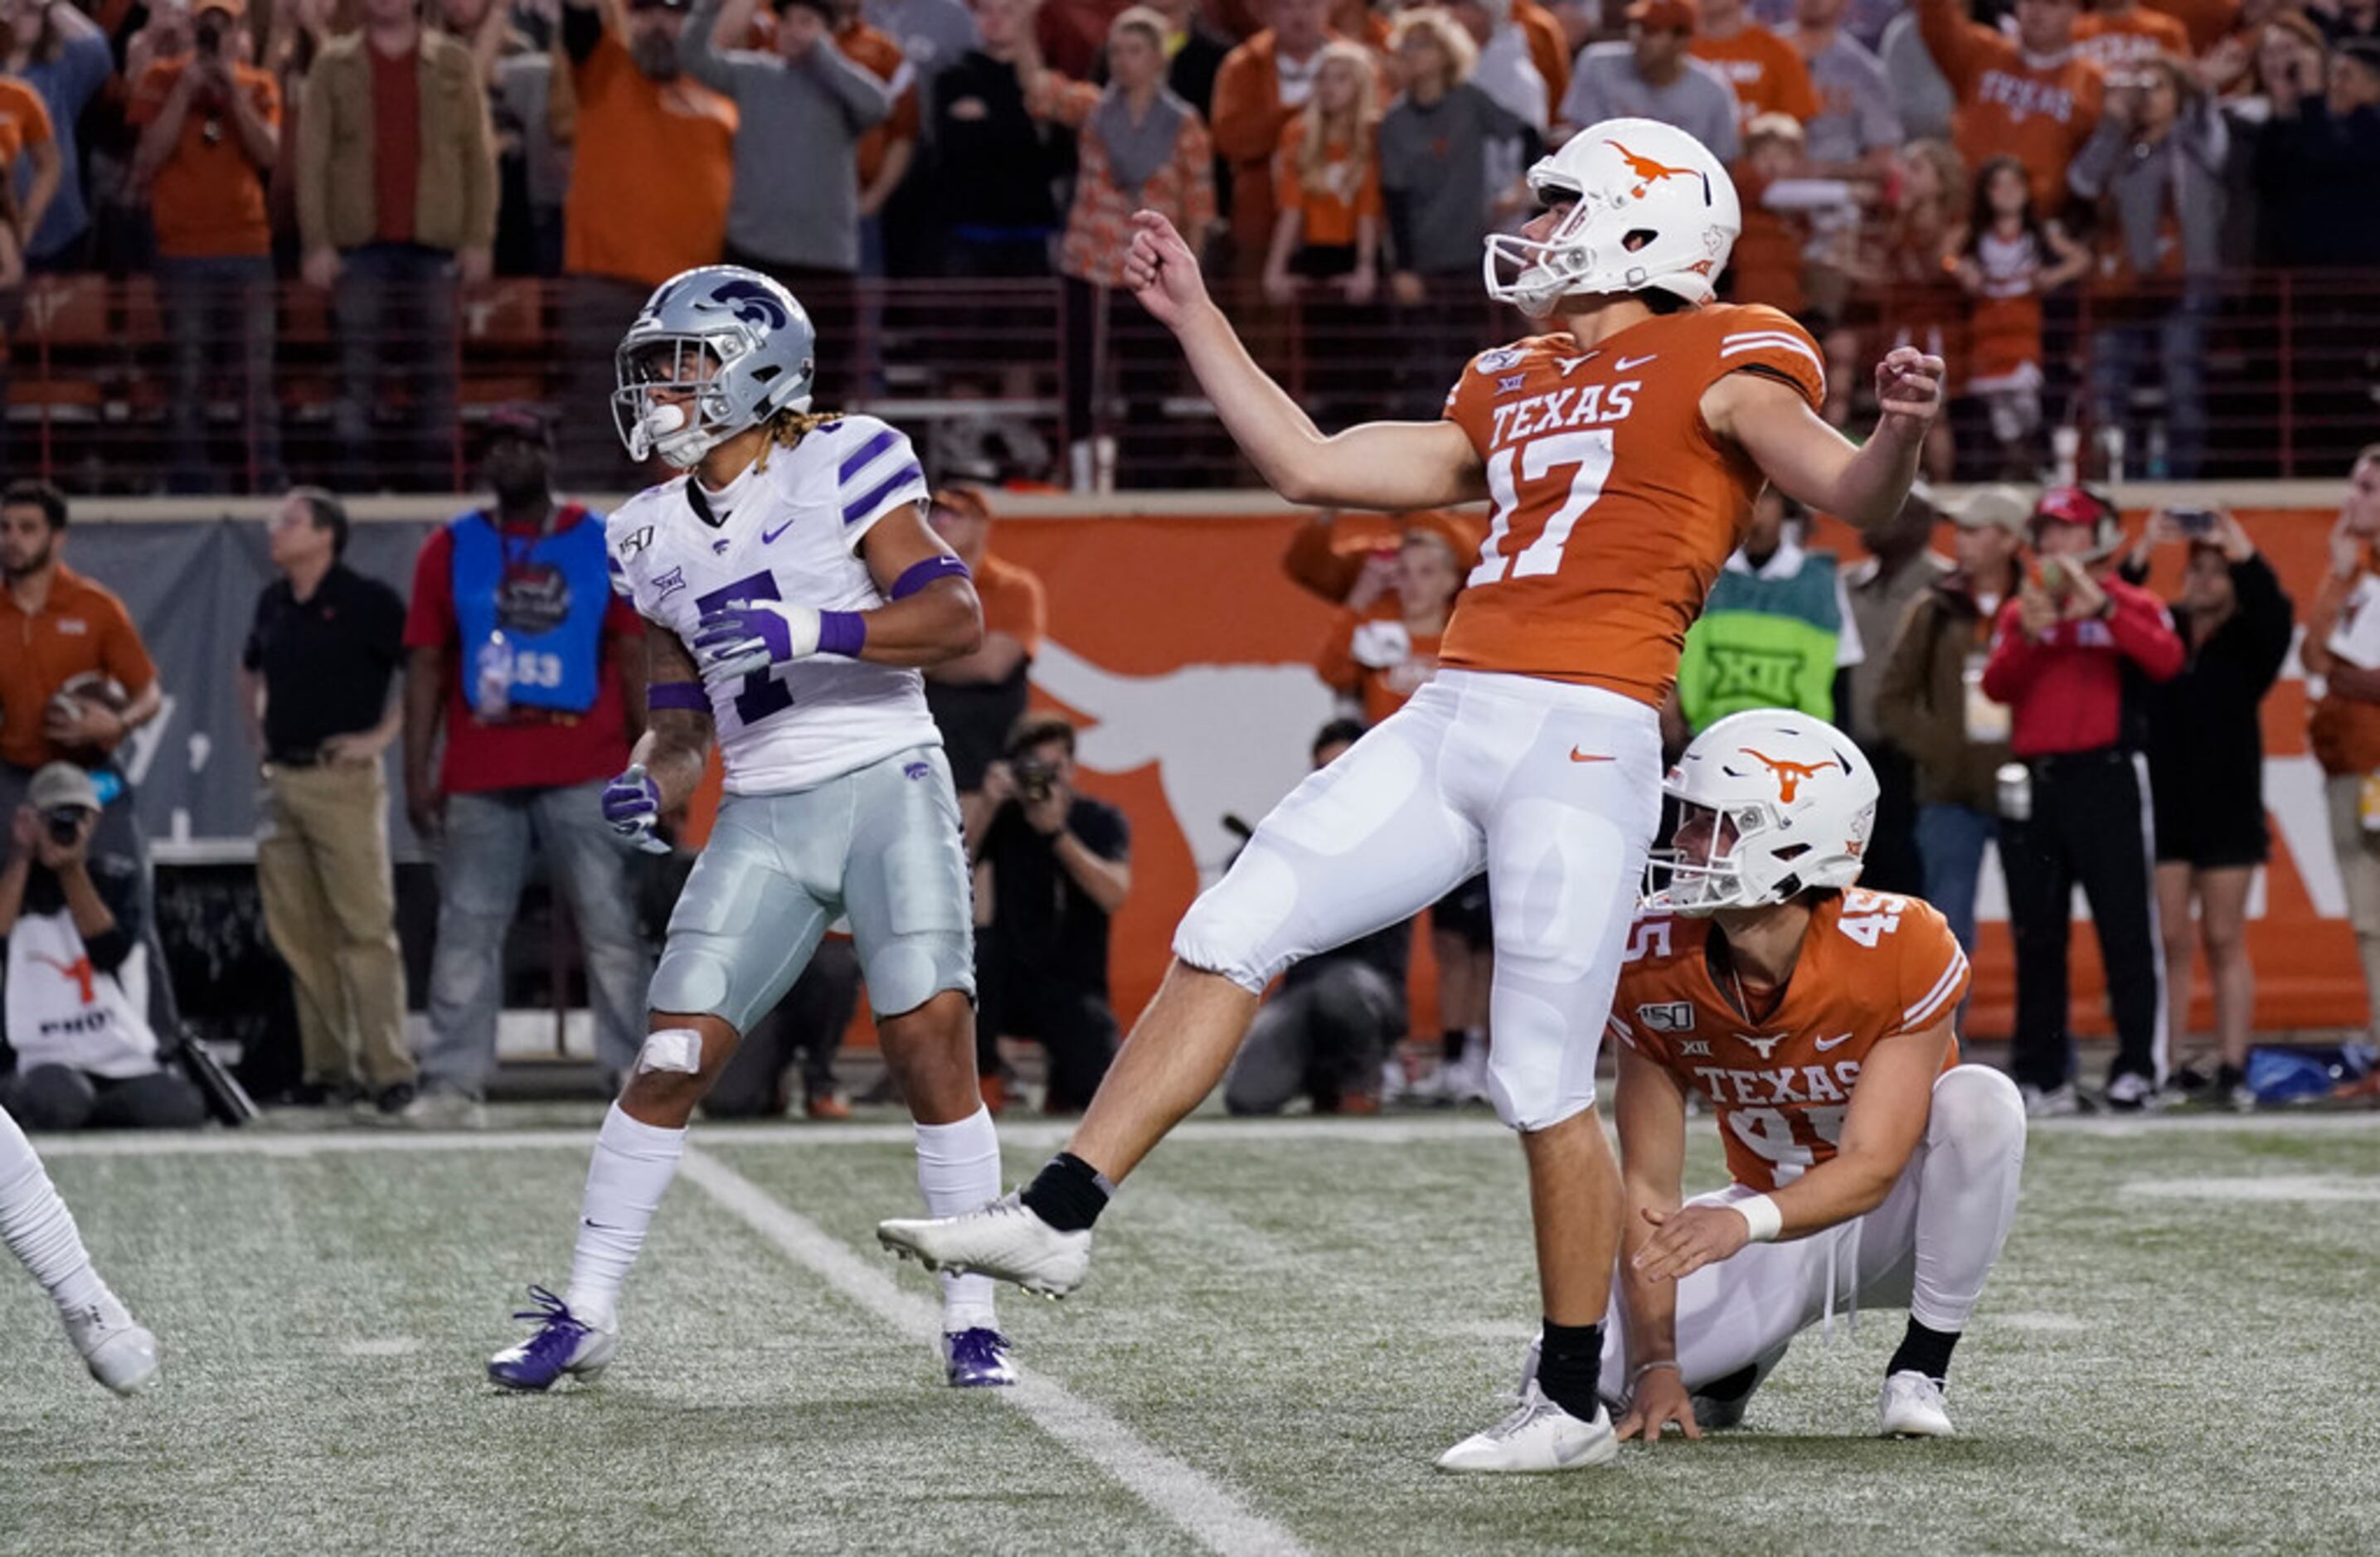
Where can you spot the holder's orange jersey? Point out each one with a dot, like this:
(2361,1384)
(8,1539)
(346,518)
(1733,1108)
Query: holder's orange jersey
(1872,965)
(1615,505)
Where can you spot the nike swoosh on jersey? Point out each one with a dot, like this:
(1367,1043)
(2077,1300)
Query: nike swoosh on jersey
(768,537)
(1835,1042)
(1577,755)
(1625,363)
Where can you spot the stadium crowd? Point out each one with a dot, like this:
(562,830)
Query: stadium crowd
(2061,199)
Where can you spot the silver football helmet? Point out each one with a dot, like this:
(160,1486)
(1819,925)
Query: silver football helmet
(716,350)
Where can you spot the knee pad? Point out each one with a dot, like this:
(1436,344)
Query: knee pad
(678,1049)
(695,980)
(1976,1106)
(1237,928)
(910,969)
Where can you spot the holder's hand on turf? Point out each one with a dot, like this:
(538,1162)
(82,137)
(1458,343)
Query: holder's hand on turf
(632,804)
(1690,1237)
(745,638)
(1658,1401)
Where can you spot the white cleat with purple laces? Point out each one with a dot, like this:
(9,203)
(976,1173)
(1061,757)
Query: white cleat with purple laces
(564,1344)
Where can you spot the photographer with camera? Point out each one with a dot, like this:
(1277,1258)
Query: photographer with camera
(77,974)
(2070,656)
(2207,766)
(209,127)
(1060,866)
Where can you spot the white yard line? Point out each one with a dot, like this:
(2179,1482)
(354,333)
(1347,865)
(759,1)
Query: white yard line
(2276,1188)
(273,1141)
(1201,1507)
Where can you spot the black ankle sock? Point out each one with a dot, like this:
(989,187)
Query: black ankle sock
(1924,1351)
(1068,1194)
(2227,1076)
(1733,1387)
(1450,1044)
(1569,1364)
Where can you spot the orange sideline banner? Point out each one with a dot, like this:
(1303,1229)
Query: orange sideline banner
(1185,654)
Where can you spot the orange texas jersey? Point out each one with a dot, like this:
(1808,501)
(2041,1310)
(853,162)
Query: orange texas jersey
(1614,505)
(1872,965)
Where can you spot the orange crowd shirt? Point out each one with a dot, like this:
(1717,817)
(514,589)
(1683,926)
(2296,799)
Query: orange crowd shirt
(1349,193)
(208,200)
(2139,33)
(1376,658)
(2038,112)
(1873,965)
(1614,504)
(1767,73)
(655,167)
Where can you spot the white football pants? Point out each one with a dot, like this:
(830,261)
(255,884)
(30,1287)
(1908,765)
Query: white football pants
(1555,789)
(1927,1247)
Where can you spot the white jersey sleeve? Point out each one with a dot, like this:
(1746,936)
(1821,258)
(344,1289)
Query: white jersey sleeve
(636,537)
(875,471)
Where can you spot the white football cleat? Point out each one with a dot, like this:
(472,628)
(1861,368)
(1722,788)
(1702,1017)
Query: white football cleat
(1001,1239)
(119,1353)
(1538,1437)
(1913,1406)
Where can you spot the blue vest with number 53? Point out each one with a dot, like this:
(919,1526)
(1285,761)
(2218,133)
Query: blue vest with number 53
(547,595)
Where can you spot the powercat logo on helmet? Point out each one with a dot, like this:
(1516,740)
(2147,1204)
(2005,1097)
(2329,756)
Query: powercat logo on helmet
(750,302)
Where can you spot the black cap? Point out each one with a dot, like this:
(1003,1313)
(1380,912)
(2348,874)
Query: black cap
(525,422)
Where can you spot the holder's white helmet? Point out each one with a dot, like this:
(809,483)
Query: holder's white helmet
(1655,209)
(1771,803)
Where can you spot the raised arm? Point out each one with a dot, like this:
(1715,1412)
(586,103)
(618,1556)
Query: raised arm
(1817,467)
(1389,465)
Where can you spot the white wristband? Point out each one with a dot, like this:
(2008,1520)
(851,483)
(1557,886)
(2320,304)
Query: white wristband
(1762,1217)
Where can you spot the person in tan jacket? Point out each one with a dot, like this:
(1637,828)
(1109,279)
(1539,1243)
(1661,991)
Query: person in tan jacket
(396,199)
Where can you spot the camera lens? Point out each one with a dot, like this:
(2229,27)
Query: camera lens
(65,826)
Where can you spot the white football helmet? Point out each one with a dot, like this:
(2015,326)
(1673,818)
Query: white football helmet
(1771,803)
(1654,209)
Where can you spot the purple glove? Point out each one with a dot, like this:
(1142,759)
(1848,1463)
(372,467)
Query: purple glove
(632,804)
(746,637)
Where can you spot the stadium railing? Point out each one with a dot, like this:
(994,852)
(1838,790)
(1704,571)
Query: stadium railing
(2289,363)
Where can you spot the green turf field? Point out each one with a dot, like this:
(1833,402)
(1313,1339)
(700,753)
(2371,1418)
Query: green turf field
(1285,1324)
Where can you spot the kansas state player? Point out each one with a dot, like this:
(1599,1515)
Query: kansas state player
(792,587)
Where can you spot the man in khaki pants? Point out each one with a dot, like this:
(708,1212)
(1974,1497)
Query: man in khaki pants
(315,681)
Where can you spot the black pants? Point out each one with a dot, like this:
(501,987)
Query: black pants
(1071,1021)
(2090,824)
(1324,1034)
(52,1097)
(807,1024)
(1892,860)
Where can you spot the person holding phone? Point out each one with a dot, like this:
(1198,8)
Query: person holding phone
(2072,656)
(2207,766)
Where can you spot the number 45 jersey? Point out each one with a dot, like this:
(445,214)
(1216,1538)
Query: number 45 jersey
(1872,965)
(1615,505)
(787,529)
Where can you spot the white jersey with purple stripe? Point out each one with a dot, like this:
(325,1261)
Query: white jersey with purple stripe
(789,531)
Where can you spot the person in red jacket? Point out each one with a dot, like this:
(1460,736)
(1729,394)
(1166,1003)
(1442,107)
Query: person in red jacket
(2069,654)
